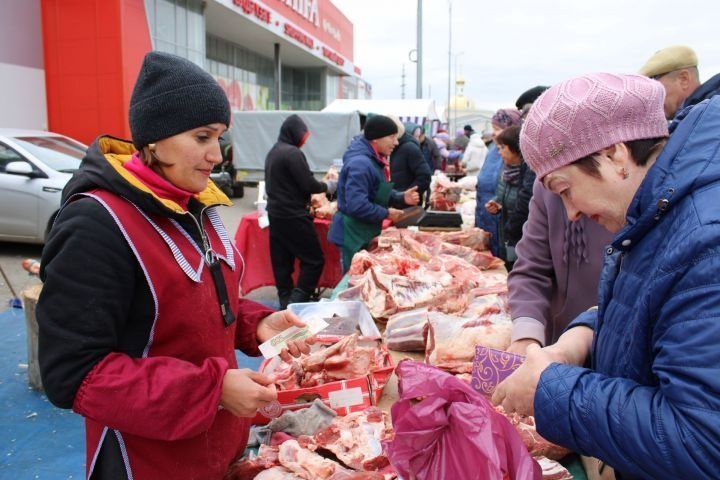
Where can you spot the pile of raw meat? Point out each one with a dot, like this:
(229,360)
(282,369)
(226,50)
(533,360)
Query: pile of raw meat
(407,270)
(446,195)
(544,452)
(351,357)
(347,449)
(441,293)
(321,207)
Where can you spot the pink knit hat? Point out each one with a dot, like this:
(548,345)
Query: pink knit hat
(585,114)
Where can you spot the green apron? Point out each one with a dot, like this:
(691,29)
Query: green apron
(356,233)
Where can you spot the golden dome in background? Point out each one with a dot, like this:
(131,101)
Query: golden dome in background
(460,101)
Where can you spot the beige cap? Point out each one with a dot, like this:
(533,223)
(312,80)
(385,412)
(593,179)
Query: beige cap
(668,60)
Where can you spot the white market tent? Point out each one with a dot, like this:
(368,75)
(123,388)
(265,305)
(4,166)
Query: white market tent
(418,111)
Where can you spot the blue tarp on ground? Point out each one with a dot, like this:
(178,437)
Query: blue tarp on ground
(38,440)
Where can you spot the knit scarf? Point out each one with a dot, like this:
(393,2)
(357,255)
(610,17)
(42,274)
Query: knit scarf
(511,174)
(384,162)
(159,186)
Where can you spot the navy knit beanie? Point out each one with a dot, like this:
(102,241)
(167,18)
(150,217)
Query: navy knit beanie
(173,95)
(378,126)
(529,96)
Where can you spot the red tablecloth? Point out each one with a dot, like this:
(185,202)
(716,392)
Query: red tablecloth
(253,243)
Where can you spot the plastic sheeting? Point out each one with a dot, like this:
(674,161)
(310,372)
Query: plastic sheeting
(254,134)
(452,432)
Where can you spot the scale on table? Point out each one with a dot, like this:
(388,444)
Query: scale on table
(419,217)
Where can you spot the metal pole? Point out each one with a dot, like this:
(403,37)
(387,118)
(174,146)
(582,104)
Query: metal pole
(278,77)
(418,88)
(449,59)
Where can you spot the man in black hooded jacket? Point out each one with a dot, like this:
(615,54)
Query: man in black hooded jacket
(408,167)
(289,184)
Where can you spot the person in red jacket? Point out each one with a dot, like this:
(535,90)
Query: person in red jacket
(140,314)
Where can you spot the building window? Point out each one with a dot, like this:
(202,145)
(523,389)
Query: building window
(246,77)
(178,26)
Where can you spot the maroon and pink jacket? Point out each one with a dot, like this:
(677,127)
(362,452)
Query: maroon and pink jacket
(131,332)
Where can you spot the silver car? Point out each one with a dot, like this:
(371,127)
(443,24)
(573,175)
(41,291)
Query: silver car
(34,168)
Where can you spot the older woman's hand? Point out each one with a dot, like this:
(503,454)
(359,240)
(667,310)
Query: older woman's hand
(517,392)
(278,322)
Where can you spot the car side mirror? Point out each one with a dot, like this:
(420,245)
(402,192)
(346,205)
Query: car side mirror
(20,168)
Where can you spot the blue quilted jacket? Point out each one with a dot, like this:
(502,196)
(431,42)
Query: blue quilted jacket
(650,404)
(486,185)
(359,182)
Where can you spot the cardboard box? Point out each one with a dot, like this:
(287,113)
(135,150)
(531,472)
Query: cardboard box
(343,396)
(490,367)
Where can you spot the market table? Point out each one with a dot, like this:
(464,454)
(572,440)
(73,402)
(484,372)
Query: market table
(253,243)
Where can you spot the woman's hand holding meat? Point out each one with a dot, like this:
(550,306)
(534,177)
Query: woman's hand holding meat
(244,391)
(278,322)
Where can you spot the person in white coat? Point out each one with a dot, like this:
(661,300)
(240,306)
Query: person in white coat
(474,156)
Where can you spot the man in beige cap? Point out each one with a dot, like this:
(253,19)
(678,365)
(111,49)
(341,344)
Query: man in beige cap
(676,68)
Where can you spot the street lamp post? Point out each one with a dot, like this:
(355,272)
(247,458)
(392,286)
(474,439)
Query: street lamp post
(449,59)
(418,88)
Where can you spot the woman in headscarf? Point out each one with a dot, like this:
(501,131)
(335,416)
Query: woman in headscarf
(488,177)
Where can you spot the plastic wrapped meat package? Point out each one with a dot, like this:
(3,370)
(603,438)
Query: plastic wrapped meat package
(452,340)
(446,430)
(406,331)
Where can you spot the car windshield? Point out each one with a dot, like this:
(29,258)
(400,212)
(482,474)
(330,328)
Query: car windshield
(58,153)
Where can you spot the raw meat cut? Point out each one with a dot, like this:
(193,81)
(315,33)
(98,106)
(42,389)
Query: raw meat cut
(535,443)
(405,331)
(248,468)
(355,439)
(350,357)
(304,463)
(453,339)
(277,473)
(475,238)
(552,470)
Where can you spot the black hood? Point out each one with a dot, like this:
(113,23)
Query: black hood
(406,137)
(293,130)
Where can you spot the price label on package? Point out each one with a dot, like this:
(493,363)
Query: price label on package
(272,347)
(346,398)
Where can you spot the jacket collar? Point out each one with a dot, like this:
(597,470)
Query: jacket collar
(689,161)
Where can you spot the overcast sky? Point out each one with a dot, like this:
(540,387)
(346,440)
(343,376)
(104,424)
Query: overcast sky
(503,48)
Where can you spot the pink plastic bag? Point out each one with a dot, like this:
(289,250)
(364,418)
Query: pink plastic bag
(453,432)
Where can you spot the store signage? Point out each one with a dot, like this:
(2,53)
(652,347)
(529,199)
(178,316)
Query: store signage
(253,8)
(293,32)
(332,56)
(331,30)
(306,8)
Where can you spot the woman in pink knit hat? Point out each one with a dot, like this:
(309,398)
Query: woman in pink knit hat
(634,382)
